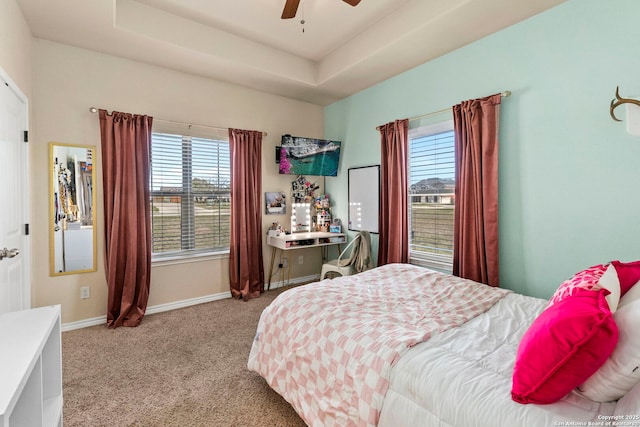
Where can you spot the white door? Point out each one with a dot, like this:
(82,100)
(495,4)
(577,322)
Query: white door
(14,195)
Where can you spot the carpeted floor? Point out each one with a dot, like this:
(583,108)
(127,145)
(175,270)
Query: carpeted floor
(186,367)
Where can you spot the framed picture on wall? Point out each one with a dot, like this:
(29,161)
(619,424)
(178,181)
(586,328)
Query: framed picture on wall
(275,203)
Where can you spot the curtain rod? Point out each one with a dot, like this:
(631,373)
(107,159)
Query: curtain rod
(95,110)
(502,94)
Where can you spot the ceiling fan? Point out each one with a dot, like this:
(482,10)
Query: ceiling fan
(291,7)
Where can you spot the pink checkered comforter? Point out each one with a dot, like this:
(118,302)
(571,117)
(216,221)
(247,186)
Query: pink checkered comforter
(328,348)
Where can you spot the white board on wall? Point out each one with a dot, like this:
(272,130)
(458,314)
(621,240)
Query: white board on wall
(364,198)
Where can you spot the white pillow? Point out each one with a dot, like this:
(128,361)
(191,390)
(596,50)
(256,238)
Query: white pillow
(629,405)
(632,295)
(621,372)
(609,280)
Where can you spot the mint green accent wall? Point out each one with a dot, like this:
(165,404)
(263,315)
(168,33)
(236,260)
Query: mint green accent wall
(569,174)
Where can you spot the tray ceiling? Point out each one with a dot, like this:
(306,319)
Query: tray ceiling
(341,51)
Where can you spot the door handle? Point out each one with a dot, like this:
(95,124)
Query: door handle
(8,253)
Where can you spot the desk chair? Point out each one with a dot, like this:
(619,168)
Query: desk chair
(345,267)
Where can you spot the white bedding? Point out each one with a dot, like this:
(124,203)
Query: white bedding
(462,378)
(329,347)
(321,346)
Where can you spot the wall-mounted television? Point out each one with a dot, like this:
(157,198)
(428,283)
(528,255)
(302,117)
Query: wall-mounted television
(308,156)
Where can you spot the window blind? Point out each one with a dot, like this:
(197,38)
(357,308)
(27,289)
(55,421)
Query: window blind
(190,193)
(432,199)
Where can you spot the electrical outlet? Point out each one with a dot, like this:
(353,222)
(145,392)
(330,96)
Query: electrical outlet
(300,259)
(85,292)
(285,262)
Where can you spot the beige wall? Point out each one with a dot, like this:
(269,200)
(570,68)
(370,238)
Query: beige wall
(15,45)
(67,81)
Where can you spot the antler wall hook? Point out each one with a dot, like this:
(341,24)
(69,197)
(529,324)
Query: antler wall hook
(619,101)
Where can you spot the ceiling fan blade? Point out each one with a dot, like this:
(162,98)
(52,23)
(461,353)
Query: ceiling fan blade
(290,9)
(352,2)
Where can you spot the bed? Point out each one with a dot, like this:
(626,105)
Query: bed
(402,345)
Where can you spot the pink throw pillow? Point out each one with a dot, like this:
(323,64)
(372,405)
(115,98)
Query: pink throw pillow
(588,278)
(563,347)
(628,274)
(632,295)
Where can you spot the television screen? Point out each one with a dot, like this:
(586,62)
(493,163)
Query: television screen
(308,156)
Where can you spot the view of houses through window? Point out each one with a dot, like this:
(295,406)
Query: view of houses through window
(431,195)
(190,194)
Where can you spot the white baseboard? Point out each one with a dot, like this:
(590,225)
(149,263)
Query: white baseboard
(275,285)
(83,323)
(101,320)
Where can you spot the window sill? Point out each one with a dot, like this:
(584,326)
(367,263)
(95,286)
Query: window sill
(187,258)
(443,266)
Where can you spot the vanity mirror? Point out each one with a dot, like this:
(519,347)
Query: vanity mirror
(72,218)
(364,198)
(301,218)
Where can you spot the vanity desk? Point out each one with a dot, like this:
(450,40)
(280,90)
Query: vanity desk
(286,242)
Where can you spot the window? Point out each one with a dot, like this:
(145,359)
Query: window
(432,200)
(190,194)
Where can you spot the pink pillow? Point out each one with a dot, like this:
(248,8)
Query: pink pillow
(586,279)
(628,274)
(563,347)
(632,295)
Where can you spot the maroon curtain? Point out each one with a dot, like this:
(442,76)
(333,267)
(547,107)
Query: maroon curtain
(246,269)
(393,242)
(475,248)
(126,142)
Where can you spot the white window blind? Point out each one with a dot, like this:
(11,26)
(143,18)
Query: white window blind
(190,194)
(432,200)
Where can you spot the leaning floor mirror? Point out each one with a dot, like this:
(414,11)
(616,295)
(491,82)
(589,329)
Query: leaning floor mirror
(72,218)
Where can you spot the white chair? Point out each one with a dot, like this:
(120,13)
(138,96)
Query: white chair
(334,264)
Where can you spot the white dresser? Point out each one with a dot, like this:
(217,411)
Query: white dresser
(78,249)
(31,368)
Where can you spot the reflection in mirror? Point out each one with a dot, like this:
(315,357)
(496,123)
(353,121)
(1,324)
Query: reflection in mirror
(72,236)
(301,218)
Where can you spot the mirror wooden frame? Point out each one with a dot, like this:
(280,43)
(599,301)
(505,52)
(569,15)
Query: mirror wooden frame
(72,232)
